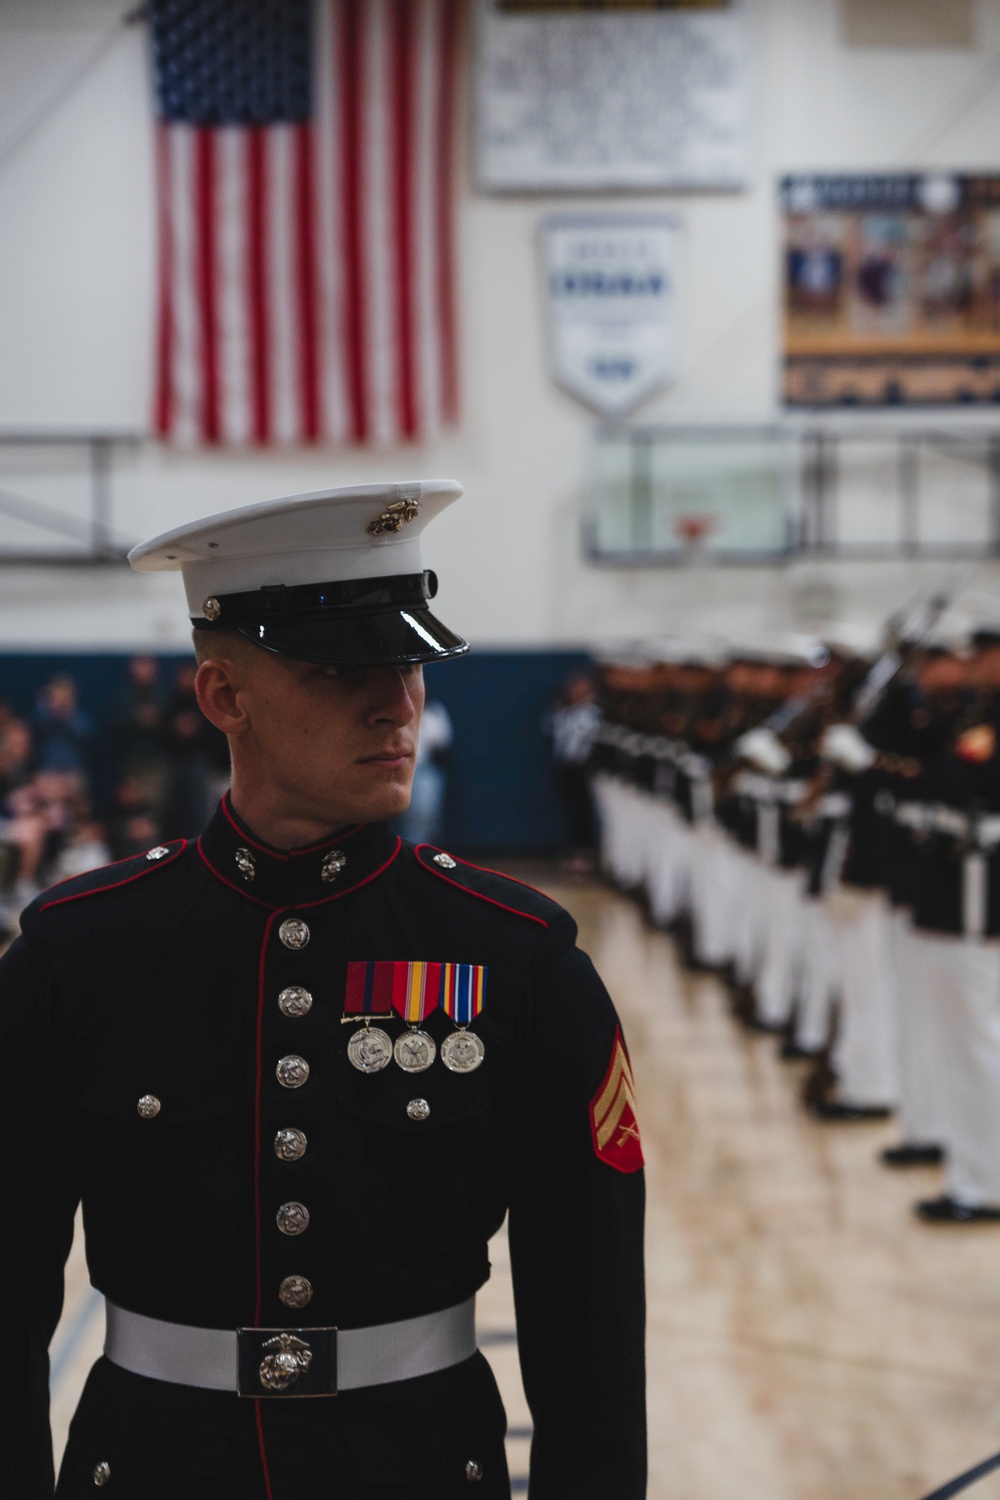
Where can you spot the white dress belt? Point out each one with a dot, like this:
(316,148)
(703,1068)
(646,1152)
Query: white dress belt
(209,1357)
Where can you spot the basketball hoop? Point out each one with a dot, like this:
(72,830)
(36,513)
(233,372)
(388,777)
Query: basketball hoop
(693,530)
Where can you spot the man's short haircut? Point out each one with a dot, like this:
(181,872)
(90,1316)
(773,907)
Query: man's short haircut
(210,644)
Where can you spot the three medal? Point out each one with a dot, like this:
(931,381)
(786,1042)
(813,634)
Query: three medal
(413,990)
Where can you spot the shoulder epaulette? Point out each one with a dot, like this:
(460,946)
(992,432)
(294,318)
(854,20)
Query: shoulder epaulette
(489,885)
(111,877)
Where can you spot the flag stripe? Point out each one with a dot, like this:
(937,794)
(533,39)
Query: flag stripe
(283,330)
(205,189)
(231,231)
(354,298)
(450,21)
(305,214)
(185,365)
(163,418)
(257,286)
(403,110)
(380,331)
(329,230)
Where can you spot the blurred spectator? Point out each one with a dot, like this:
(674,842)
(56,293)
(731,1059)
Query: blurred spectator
(16,751)
(573,724)
(199,760)
(138,727)
(135,820)
(63,732)
(421,823)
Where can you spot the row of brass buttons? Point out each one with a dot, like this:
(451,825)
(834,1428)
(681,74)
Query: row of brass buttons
(290,1143)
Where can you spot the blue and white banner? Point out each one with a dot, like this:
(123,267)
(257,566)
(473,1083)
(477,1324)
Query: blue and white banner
(610,286)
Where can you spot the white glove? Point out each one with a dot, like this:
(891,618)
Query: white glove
(847,748)
(762,748)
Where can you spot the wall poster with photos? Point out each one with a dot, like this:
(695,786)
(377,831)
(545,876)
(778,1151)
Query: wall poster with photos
(891,288)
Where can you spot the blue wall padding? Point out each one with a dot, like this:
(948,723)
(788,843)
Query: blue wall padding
(501,792)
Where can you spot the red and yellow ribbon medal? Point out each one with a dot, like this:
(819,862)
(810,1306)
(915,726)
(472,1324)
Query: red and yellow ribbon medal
(416,991)
(463,995)
(369,993)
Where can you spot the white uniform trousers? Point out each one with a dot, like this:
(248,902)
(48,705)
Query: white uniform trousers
(668,862)
(866,1051)
(714,880)
(781,943)
(748,916)
(621,814)
(820,978)
(922,1108)
(963,978)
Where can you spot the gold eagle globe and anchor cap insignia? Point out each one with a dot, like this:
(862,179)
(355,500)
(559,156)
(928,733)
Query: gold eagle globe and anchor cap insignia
(334,577)
(394,517)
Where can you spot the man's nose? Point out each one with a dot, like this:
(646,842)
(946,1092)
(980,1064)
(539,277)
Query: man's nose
(393,701)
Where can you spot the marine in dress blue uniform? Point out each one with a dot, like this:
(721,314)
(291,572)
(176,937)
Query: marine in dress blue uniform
(289,1243)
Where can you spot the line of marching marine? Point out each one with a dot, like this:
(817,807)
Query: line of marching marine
(826,836)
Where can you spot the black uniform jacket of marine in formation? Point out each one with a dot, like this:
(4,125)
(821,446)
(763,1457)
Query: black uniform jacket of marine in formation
(161,977)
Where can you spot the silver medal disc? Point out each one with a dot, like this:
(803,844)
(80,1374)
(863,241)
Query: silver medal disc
(414,1051)
(369,1049)
(462,1052)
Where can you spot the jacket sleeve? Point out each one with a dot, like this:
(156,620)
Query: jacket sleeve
(576,1240)
(40,1195)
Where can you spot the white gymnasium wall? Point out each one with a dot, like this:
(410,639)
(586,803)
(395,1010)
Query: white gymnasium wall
(76,298)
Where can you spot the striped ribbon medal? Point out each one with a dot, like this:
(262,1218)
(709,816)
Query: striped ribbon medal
(463,995)
(416,991)
(368,994)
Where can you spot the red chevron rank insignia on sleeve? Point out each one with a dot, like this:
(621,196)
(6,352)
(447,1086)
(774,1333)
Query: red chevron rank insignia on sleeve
(613,1124)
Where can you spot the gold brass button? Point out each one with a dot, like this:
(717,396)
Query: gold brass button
(293,932)
(211,609)
(418,1109)
(292,1071)
(290,1144)
(294,1002)
(149,1106)
(295,1291)
(293,1218)
(101,1474)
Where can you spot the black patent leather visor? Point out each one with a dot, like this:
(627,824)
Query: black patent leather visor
(389,638)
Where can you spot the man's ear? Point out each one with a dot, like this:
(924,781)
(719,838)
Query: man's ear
(217,688)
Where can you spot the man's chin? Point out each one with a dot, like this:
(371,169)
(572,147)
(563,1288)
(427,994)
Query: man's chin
(377,804)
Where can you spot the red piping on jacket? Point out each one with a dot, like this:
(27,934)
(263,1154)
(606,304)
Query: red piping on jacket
(527,915)
(283,854)
(263,1451)
(258,1084)
(99,890)
(255,899)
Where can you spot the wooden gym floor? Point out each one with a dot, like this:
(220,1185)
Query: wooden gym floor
(808,1339)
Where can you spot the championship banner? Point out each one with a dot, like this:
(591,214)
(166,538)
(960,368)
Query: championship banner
(891,290)
(610,287)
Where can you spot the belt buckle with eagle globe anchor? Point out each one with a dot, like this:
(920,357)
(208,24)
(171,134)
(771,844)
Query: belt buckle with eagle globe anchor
(289,1359)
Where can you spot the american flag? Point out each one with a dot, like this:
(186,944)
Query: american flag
(304,173)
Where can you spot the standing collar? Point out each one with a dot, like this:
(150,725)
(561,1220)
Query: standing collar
(294,877)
